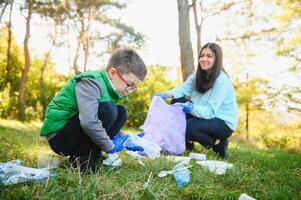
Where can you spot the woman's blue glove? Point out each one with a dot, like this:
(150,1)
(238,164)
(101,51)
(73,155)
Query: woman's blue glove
(162,95)
(118,141)
(187,107)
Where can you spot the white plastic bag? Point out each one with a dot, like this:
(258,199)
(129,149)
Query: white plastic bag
(217,167)
(13,172)
(151,149)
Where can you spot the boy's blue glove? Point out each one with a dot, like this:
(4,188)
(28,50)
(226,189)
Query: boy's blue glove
(141,134)
(162,95)
(133,147)
(187,107)
(118,141)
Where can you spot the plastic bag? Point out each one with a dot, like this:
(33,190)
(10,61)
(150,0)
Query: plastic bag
(13,172)
(197,156)
(181,174)
(47,162)
(244,196)
(112,160)
(165,125)
(151,149)
(217,167)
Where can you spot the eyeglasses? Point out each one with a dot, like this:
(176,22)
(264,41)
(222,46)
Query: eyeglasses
(129,88)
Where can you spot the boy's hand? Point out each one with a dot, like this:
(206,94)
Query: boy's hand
(118,141)
(187,107)
(132,147)
(162,95)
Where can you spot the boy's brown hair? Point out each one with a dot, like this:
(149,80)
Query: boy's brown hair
(127,61)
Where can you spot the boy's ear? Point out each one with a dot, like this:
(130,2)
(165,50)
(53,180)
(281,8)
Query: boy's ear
(111,71)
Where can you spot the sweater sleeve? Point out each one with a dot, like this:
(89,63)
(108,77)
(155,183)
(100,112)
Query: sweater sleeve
(216,99)
(186,88)
(88,92)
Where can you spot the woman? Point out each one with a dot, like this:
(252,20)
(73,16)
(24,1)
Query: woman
(208,99)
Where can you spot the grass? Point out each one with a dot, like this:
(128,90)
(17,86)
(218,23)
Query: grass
(263,174)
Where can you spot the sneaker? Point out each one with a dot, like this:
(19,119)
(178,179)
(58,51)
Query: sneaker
(189,145)
(222,149)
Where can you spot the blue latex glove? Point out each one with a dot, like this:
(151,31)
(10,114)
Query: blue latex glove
(162,95)
(118,141)
(133,147)
(187,107)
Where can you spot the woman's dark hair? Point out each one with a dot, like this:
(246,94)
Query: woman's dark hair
(204,81)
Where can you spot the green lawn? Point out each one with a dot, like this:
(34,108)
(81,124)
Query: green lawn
(263,174)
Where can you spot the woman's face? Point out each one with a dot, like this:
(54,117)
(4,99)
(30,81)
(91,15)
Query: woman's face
(207,59)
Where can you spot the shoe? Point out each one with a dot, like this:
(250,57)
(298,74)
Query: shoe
(189,145)
(222,149)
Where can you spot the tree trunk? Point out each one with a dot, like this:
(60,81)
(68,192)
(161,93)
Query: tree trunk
(186,54)
(247,112)
(198,27)
(75,66)
(42,89)
(86,41)
(22,86)
(7,77)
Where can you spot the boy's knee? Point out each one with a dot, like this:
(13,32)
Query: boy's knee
(107,110)
(122,112)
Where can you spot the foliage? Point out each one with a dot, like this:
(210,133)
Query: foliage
(9,93)
(263,174)
(138,102)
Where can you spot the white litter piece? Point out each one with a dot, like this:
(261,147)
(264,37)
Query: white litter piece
(197,156)
(177,159)
(13,172)
(244,196)
(151,149)
(217,167)
(47,162)
(112,160)
(136,156)
(165,173)
(146,184)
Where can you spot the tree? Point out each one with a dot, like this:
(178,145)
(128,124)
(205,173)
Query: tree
(22,87)
(9,41)
(186,54)
(82,13)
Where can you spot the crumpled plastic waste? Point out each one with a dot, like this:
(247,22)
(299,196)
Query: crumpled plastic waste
(244,196)
(165,125)
(180,172)
(197,156)
(112,160)
(177,159)
(47,162)
(136,156)
(216,167)
(14,172)
(151,149)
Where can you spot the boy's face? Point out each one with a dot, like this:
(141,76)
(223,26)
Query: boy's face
(124,83)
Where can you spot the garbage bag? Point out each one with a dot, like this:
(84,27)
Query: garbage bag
(165,125)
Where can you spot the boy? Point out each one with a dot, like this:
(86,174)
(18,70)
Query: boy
(83,117)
